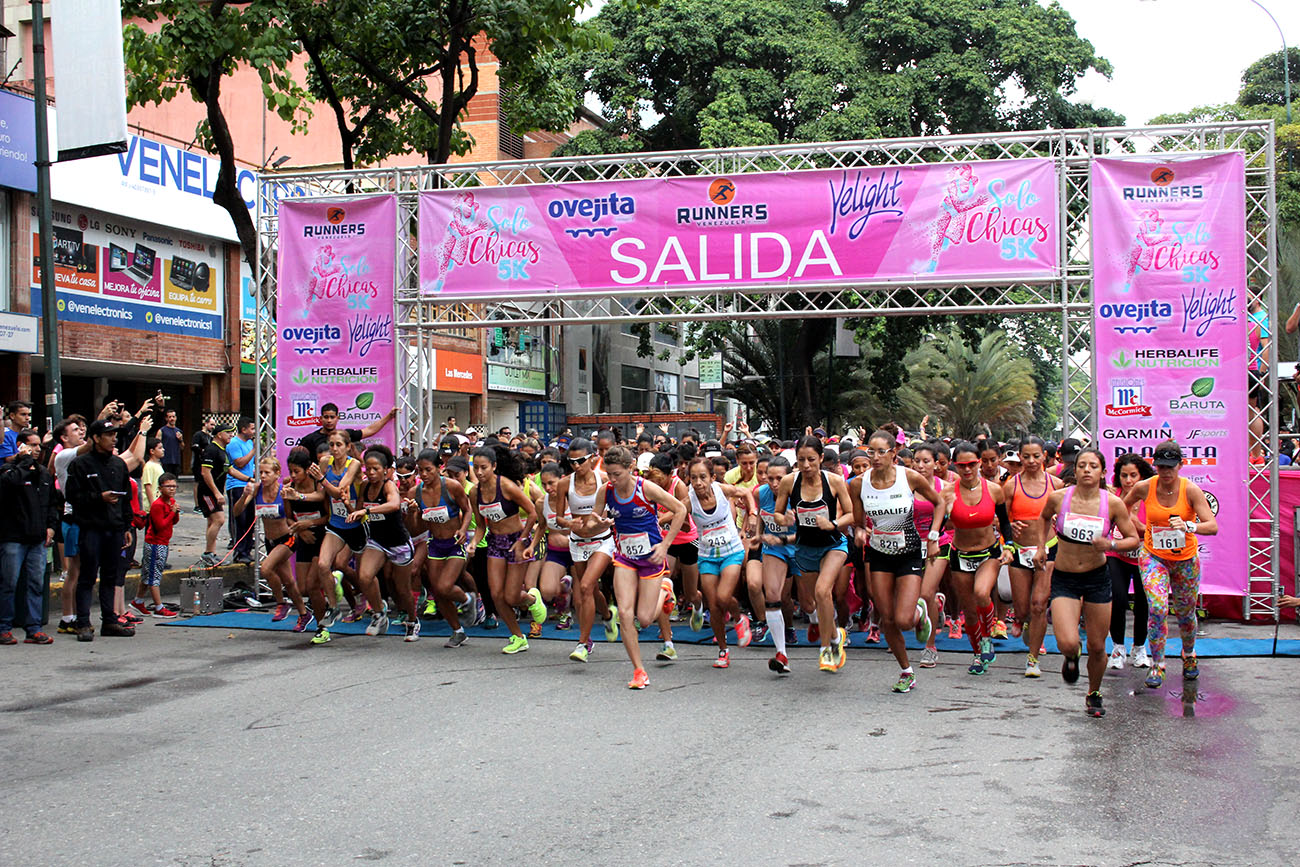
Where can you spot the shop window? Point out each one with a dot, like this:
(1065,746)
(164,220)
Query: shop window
(692,397)
(666,394)
(635,389)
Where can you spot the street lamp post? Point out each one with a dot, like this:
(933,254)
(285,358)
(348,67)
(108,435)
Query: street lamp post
(1286,67)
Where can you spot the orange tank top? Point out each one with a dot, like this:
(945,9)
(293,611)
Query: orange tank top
(1024,507)
(1161,540)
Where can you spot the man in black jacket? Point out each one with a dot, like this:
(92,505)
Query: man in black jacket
(30,506)
(99,491)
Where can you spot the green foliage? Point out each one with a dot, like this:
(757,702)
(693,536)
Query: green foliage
(985,385)
(1263,83)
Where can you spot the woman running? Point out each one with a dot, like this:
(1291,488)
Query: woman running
(1026,493)
(441,506)
(975,554)
(936,564)
(506,516)
(407,476)
(683,550)
(1124,573)
(883,513)
(817,504)
(553,579)
(778,561)
(640,586)
(307,519)
(1177,512)
(268,505)
(1083,517)
(344,539)
(379,511)
(722,551)
(592,547)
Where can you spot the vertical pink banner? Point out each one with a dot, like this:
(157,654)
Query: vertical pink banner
(1169,297)
(334,315)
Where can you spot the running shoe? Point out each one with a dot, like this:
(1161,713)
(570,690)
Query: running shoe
(1116,661)
(457,639)
(986,651)
(873,634)
(138,606)
(322,636)
(1070,669)
(779,663)
(398,619)
(534,630)
(412,630)
(940,600)
(826,660)
(329,618)
(723,660)
(516,644)
(744,634)
(1017,629)
(697,617)
(565,621)
(923,626)
(130,618)
(7,638)
(38,637)
(431,608)
(978,665)
(670,598)
(67,627)
(537,610)
(1191,668)
(906,681)
(929,657)
(562,602)
(480,610)
(611,625)
(1031,667)
(304,620)
(791,637)
(999,629)
(281,611)
(208,558)
(378,624)
(955,626)
(354,614)
(667,653)
(760,631)
(162,612)
(1141,659)
(1156,677)
(1092,705)
(640,680)
(491,622)
(841,641)
(338,587)
(581,653)
(814,633)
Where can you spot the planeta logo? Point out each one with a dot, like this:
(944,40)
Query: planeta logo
(335,215)
(1162,176)
(722,191)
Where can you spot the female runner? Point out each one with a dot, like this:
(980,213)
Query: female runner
(885,497)
(817,504)
(559,562)
(379,511)
(1177,512)
(499,501)
(407,476)
(640,586)
(683,550)
(722,550)
(936,564)
(441,506)
(778,561)
(1083,517)
(1026,493)
(592,547)
(344,539)
(1124,573)
(268,505)
(306,504)
(975,554)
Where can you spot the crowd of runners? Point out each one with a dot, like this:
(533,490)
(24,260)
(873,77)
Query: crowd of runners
(881,533)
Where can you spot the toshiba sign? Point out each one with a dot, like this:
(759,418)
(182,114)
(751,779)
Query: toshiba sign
(457,371)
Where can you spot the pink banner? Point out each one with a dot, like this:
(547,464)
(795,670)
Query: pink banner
(950,221)
(1169,296)
(334,315)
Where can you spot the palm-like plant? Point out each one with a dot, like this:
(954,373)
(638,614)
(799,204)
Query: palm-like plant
(991,385)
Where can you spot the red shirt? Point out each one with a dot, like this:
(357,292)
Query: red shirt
(162,517)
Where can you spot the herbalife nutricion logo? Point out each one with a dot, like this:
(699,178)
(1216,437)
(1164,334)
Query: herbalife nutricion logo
(300,376)
(1121,360)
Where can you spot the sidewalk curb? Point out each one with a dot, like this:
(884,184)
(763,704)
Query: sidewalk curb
(171,579)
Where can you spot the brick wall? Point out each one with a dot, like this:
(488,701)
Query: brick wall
(80,340)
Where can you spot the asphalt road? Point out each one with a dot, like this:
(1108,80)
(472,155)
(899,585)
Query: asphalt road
(200,746)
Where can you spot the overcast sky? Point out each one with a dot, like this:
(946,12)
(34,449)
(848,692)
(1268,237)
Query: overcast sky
(1173,55)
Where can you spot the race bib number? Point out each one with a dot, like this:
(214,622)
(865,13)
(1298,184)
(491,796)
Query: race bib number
(717,540)
(268,510)
(888,541)
(372,517)
(1167,538)
(307,516)
(771,524)
(1082,528)
(635,546)
(436,515)
(808,515)
(968,564)
(339,509)
(493,512)
(1025,556)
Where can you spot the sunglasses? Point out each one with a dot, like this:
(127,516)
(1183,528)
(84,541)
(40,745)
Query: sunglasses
(967,463)
(401,475)
(577,462)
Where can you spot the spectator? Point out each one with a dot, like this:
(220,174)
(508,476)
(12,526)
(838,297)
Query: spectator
(70,441)
(153,470)
(164,514)
(171,442)
(240,472)
(329,420)
(198,448)
(18,417)
(212,498)
(31,512)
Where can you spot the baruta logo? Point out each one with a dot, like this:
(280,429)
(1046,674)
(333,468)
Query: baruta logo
(722,209)
(334,226)
(1197,400)
(1163,189)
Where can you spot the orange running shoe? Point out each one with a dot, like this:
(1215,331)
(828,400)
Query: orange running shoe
(670,598)
(640,680)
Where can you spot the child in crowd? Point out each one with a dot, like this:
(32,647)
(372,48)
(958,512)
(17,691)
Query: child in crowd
(164,514)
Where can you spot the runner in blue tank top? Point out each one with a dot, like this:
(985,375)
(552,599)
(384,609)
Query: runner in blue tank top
(343,538)
(627,506)
(778,560)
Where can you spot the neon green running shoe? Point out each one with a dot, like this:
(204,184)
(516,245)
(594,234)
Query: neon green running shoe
(431,608)
(516,644)
(338,587)
(923,622)
(321,637)
(667,653)
(537,610)
(611,625)
(580,653)
(697,617)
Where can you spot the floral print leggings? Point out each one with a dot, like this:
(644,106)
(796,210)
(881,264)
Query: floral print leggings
(1170,584)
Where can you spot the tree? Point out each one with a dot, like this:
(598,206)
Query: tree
(988,385)
(194,48)
(1262,82)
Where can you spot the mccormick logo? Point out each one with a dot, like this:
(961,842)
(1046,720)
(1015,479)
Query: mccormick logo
(722,209)
(1163,189)
(1126,399)
(303,412)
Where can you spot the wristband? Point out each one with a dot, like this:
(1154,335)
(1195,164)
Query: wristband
(1191,527)
(933,536)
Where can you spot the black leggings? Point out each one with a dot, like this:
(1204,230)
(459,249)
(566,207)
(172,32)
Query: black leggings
(1121,574)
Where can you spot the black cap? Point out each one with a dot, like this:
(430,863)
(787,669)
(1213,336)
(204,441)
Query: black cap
(101,426)
(1068,448)
(1167,455)
(225,427)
